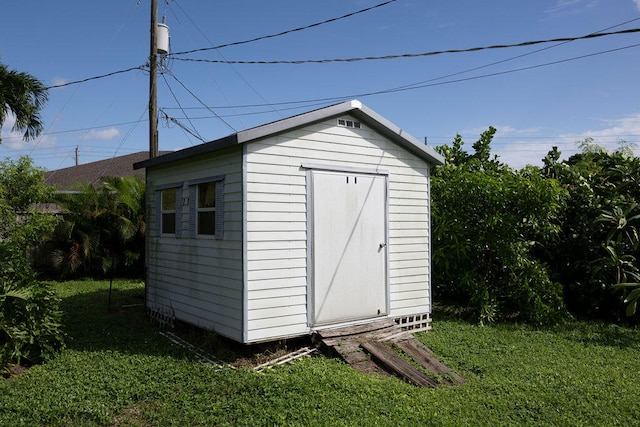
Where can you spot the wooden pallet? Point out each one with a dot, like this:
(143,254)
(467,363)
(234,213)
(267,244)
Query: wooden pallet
(376,347)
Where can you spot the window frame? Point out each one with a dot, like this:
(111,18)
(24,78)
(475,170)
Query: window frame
(205,209)
(219,208)
(161,212)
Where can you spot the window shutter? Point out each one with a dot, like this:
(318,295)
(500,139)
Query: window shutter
(157,229)
(179,212)
(193,205)
(220,209)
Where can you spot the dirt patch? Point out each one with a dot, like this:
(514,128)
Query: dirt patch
(236,354)
(128,416)
(13,372)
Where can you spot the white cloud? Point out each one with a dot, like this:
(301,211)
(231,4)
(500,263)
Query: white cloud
(571,7)
(637,2)
(519,147)
(13,140)
(59,81)
(102,134)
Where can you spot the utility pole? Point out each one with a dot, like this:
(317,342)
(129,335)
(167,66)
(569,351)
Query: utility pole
(76,155)
(153,67)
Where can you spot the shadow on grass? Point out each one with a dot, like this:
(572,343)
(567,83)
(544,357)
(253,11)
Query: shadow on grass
(92,324)
(602,334)
(586,332)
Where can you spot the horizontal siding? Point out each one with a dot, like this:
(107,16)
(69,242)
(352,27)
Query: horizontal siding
(291,328)
(200,279)
(276,192)
(268,301)
(291,284)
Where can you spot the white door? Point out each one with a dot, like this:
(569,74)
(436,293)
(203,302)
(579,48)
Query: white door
(349,247)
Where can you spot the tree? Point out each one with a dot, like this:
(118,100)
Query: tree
(598,247)
(29,316)
(488,223)
(102,228)
(24,96)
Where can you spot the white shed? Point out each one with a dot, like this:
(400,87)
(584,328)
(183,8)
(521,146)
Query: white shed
(314,221)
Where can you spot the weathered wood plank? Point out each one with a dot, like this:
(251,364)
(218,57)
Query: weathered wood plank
(423,355)
(398,365)
(356,329)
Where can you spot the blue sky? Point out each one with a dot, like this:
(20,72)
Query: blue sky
(533,106)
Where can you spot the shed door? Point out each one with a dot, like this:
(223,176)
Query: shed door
(349,247)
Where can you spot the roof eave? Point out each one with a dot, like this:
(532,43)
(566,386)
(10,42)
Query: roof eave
(207,147)
(353,107)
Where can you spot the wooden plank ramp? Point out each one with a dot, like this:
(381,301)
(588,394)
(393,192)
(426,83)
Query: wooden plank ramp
(383,347)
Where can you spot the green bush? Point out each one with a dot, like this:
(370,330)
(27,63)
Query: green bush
(29,317)
(598,244)
(488,223)
(30,328)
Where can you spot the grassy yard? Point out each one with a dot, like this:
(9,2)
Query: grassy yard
(118,370)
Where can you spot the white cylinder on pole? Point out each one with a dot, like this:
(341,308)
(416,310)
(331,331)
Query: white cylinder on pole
(162,37)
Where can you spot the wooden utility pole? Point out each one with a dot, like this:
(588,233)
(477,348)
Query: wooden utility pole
(153,68)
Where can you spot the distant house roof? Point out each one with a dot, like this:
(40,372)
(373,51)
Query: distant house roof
(354,108)
(92,173)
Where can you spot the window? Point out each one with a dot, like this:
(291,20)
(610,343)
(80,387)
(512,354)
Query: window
(206,210)
(168,210)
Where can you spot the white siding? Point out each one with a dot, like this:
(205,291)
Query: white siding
(199,279)
(276,229)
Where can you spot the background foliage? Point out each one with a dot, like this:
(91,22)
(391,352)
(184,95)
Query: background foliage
(537,244)
(102,229)
(29,316)
(488,222)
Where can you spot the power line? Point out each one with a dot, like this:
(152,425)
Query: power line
(413,55)
(235,70)
(200,101)
(430,83)
(142,67)
(399,56)
(196,134)
(306,27)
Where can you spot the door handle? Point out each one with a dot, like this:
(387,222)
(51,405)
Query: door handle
(382,245)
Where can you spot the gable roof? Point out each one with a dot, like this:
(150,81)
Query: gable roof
(355,108)
(92,173)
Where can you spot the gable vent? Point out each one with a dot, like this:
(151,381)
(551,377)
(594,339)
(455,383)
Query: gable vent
(349,123)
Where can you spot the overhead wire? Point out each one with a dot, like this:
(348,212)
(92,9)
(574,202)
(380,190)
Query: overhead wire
(282,33)
(195,131)
(411,55)
(418,85)
(431,83)
(182,126)
(59,113)
(122,141)
(513,57)
(102,76)
(200,101)
(213,77)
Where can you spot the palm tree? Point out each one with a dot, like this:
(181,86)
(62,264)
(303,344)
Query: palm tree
(103,227)
(24,96)
(75,243)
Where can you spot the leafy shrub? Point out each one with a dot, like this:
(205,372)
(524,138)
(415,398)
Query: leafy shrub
(488,222)
(598,244)
(29,316)
(102,229)
(30,328)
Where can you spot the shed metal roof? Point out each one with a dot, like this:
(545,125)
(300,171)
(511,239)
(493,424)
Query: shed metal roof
(355,108)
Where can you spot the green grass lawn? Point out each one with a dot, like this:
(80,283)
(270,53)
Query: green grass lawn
(118,370)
